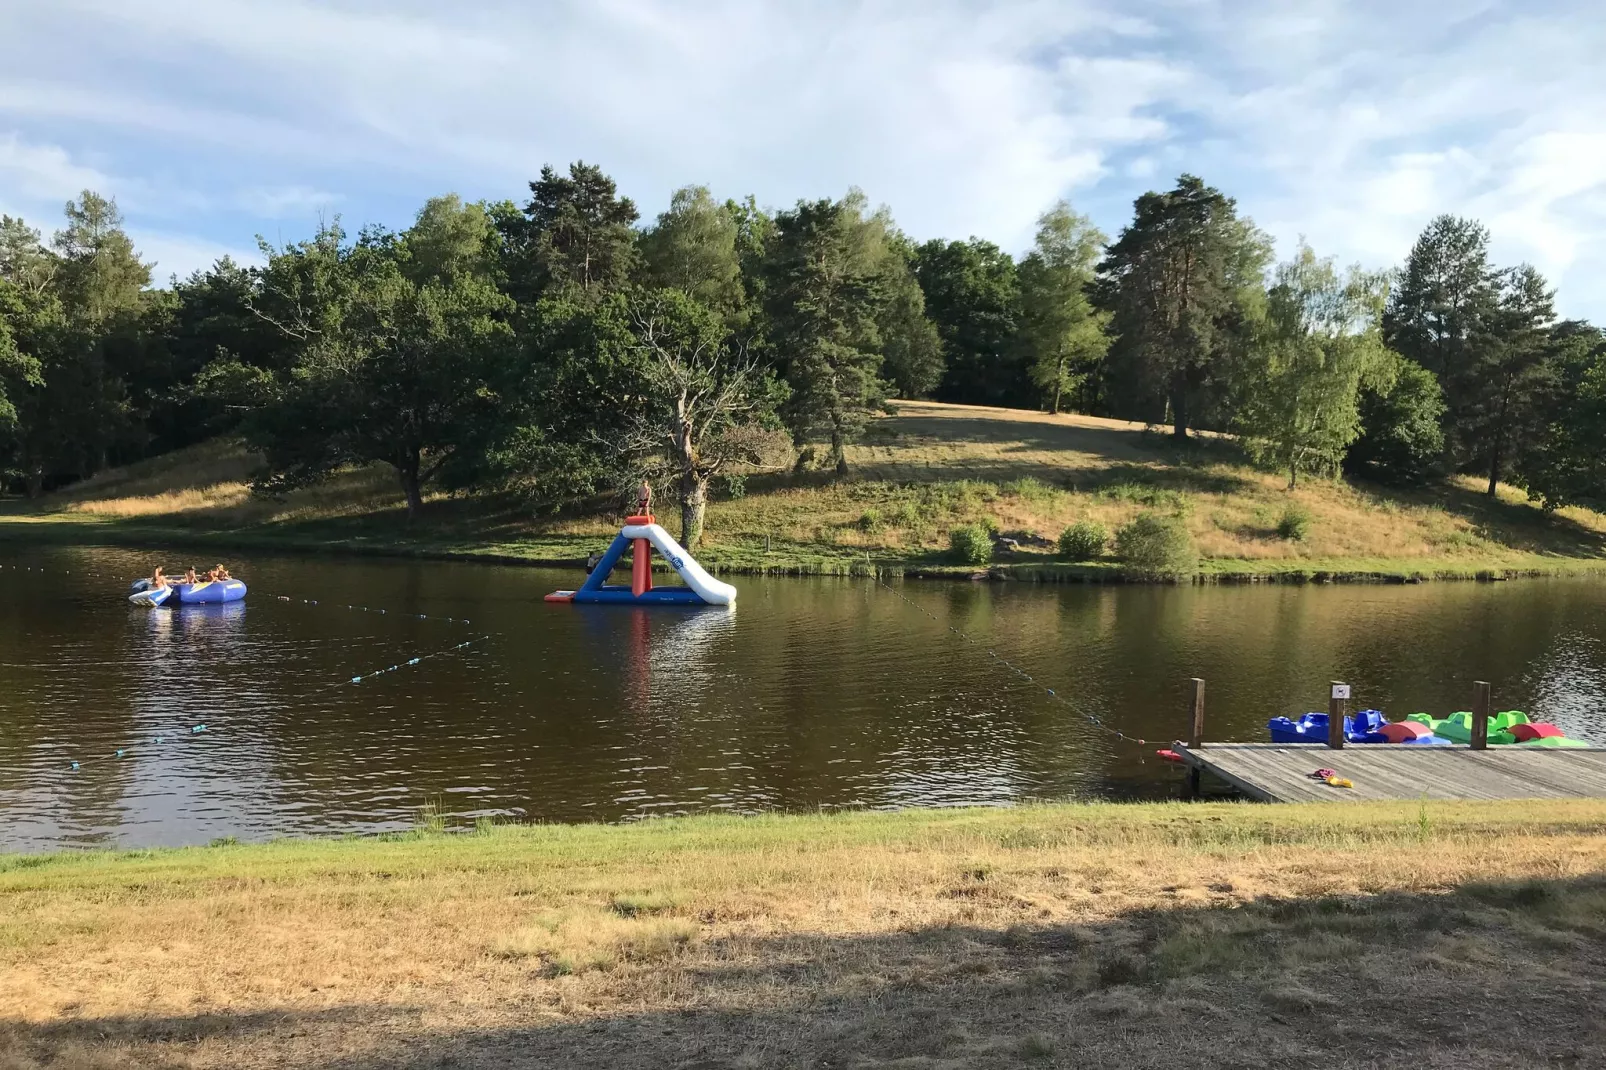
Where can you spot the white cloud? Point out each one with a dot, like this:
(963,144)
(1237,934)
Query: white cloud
(31,173)
(282,202)
(945,110)
(178,255)
(1349,121)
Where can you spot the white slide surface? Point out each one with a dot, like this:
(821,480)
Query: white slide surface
(714,592)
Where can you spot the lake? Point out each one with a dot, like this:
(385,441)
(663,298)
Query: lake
(816,693)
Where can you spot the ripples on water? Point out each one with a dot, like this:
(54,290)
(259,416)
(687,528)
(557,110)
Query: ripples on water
(813,693)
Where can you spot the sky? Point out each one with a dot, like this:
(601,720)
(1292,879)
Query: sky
(1350,124)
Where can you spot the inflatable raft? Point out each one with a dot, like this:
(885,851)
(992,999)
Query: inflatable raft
(205,593)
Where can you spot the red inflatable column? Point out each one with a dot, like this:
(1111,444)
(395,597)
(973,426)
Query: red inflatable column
(641,568)
(640,557)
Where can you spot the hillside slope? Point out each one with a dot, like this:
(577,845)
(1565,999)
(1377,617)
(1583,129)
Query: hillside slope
(918,473)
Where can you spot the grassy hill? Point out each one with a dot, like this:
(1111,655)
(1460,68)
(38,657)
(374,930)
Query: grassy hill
(916,475)
(1399,936)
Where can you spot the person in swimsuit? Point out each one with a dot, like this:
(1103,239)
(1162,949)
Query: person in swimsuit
(222,573)
(190,578)
(158,580)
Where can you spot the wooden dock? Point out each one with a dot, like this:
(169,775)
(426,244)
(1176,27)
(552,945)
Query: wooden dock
(1280,772)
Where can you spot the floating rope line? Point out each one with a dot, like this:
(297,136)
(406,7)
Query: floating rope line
(1090,718)
(381,612)
(409,663)
(127,752)
(124,753)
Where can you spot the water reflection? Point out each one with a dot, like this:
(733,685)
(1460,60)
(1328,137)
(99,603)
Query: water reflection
(821,693)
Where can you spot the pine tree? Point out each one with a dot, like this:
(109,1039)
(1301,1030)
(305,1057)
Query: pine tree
(576,238)
(1439,315)
(1502,404)
(825,293)
(1180,284)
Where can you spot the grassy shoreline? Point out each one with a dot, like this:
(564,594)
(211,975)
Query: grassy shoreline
(560,551)
(1041,935)
(918,474)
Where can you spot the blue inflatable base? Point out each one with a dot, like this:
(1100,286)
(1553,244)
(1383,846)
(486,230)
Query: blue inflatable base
(616,595)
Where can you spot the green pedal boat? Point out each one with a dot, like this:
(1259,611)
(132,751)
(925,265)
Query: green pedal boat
(1511,728)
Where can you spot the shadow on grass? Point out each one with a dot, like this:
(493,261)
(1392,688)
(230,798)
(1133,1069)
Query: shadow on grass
(1131,480)
(1476,977)
(1516,525)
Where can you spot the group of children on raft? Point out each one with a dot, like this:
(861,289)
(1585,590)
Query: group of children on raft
(159,580)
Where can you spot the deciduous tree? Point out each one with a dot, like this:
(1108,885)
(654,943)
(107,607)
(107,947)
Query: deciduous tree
(692,247)
(1565,464)
(386,360)
(1320,344)
(1402,433)
(1063,333)
(707,404)
(19,370)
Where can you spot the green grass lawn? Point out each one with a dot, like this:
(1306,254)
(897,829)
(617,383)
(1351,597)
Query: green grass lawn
(1348,935)
(916,476)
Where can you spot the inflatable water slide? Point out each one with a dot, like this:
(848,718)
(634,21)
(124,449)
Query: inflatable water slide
(641,535)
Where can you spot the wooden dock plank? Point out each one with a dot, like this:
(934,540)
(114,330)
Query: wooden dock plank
(1279,772)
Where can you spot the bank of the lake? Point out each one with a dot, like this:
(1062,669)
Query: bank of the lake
(1038,935)
(918,474)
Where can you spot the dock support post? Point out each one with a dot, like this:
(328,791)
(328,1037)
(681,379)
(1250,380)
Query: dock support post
(1196,735)
(1480,715)
(1335,714)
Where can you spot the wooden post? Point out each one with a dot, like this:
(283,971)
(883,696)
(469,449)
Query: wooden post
(1480,715)
(1196,737)
(1196,734)
(1336,695)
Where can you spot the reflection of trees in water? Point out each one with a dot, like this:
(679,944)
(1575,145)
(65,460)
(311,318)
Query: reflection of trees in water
(813,693)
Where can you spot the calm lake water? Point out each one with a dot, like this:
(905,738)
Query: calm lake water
(812,693)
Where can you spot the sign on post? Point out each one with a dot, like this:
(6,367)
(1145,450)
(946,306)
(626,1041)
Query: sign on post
(1335,715)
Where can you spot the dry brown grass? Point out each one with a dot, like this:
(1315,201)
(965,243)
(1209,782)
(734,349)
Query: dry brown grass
(211,483)
(1038,473)
(1397,936)
(916,476)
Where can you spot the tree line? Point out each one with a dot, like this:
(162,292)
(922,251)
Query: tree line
(561,347)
